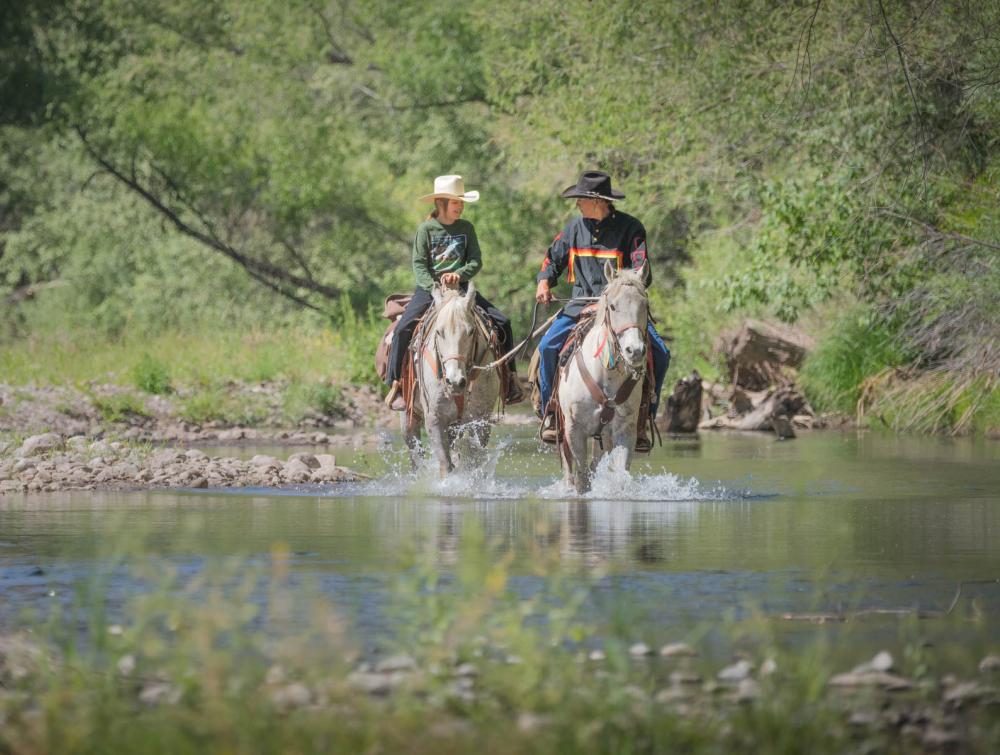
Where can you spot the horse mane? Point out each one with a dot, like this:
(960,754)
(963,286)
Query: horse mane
(615,287)
(451,311)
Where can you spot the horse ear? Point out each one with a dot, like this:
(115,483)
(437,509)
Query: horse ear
(644,272)
(609,271)
(470,295)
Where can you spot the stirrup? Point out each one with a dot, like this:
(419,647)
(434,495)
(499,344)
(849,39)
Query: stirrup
(549,433)
(394,398)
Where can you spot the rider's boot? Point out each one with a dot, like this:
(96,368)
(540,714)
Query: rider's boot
(514,393)
(394,399)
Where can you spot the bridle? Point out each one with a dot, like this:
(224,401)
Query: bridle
(613,334)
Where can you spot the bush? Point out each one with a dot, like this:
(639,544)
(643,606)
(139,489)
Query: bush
(150,375)
(857,347)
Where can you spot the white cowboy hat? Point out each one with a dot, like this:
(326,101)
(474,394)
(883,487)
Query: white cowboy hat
(451,187)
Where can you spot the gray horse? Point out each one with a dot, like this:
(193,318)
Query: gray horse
(453,395)
(600,388)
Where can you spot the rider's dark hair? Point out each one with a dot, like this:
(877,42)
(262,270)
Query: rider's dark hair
(440,205)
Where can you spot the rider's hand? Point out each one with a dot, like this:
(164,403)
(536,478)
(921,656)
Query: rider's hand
(450,279)
(542,293)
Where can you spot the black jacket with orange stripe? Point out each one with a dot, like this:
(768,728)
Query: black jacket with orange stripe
(583,247)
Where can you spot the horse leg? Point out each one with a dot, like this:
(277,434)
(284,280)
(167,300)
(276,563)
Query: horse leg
(440,440)
(411,434)
(577,441)
(599,449)
(623,444)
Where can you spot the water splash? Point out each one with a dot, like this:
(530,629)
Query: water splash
(475,476)
(611,482)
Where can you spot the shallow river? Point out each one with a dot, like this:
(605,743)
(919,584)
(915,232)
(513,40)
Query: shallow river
(877,528)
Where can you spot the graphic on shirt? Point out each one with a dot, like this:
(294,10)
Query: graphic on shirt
(448,251)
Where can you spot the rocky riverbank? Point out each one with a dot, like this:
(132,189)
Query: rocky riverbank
(49,463)
(269,412)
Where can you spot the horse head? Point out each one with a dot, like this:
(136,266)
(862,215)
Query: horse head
(454,338)
(624,310)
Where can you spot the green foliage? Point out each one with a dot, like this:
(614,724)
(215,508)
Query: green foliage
(856,347)
(151,375)
(304,399)
(119,407)
(215,161)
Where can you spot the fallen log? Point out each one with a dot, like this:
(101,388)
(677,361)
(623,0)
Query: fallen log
(775,412)
(684,406)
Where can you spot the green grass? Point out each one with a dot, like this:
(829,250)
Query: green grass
(855,348)
(301,399)
(119,407)
(206,356)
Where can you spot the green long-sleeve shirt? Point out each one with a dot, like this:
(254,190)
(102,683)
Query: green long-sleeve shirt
(439,248)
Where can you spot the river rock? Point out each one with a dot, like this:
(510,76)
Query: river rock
(159,693)
(640,650)
(19,658)
(126,665)
(373,683)
(597,655)
(989,664)
(735,673)
(261,460)
(163,459)
(198,482)
(22,464)
(326,461)
(308,459)
(684,677)
(769,667)
(5,446)
(396,663)
(887,681)
(195,455)
(101,448)
(747,691)
(39,444)
(297,471)
(966,692)
(881,662)
(294,695)
(675,649)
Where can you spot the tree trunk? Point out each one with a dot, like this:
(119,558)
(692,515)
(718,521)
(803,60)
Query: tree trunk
(684,405)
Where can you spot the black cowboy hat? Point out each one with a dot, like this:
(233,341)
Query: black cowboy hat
(593,184)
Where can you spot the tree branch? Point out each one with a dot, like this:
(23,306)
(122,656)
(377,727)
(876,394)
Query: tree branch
(271,275)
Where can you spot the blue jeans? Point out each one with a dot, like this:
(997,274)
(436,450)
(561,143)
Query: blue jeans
(556,336)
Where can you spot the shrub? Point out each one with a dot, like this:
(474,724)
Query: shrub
(151,375)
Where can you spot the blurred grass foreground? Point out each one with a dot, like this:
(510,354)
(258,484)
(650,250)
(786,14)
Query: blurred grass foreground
(242,655)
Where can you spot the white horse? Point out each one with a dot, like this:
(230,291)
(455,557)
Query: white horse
(453,396)
(600,388)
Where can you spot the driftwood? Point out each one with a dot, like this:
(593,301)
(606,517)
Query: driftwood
(684,406)
(777,411)
(758,353)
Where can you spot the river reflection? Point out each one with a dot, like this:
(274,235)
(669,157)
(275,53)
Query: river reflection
(700,530)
